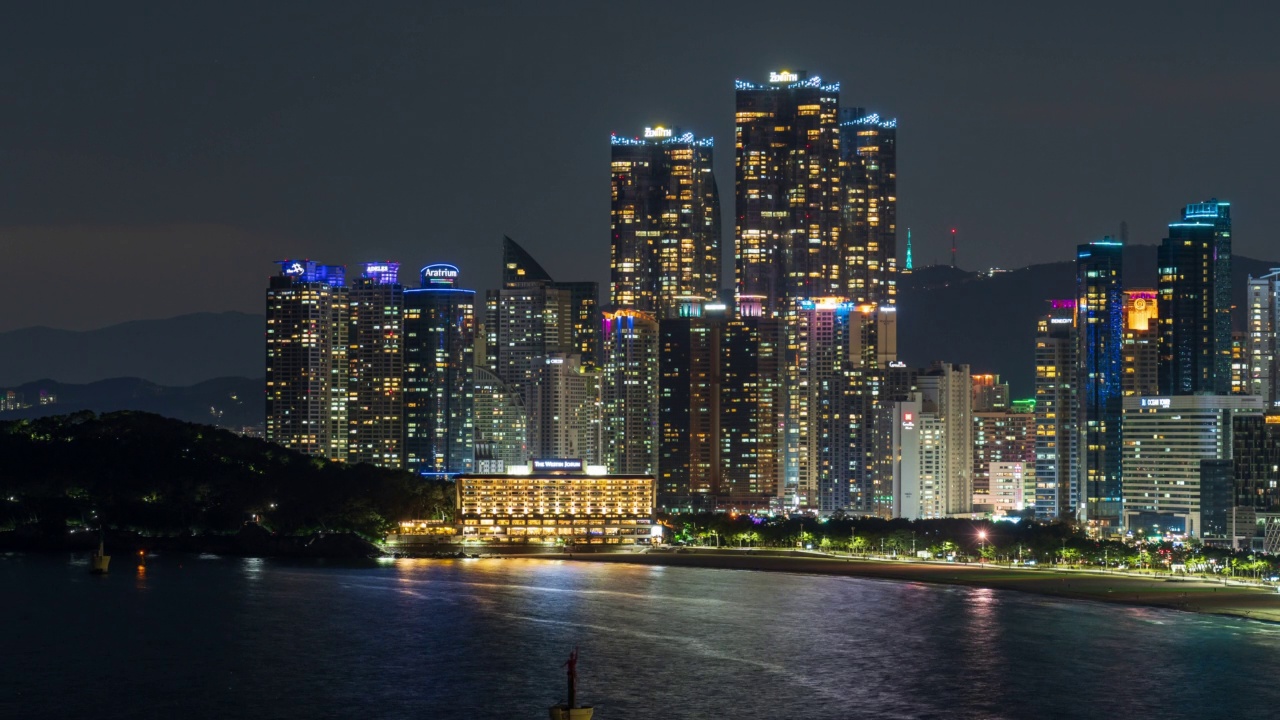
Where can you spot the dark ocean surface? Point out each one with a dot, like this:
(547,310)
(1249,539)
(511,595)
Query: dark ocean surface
(214,637)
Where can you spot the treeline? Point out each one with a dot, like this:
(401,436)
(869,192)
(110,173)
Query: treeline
(1003,542)
(144,473)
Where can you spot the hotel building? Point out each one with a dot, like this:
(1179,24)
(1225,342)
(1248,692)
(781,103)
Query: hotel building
(556,500)
(1173,450)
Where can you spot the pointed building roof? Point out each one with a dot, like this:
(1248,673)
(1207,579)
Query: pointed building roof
(518,266)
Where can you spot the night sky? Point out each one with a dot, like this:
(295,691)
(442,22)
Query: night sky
(155,158)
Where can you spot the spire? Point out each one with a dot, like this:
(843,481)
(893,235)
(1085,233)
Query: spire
(908,268)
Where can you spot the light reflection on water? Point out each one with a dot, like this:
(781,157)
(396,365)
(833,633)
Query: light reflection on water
(427,638)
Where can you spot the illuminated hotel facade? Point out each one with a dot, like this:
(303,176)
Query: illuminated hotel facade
(375,405)
(306,374)
(787,192)
(1171,447)
(556,500)
(664,221)
(439,407)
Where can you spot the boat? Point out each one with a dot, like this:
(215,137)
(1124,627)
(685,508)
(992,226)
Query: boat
(99,561)
(571,710)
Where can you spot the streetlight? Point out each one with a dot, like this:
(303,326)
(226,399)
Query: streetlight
(982,536)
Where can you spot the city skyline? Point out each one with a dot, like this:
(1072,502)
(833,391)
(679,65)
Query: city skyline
(154,185)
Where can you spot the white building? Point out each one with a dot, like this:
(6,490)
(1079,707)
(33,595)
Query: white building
(1165,440)
(1262,345)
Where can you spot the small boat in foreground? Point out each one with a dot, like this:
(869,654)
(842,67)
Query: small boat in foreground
(99,561)
(570,710)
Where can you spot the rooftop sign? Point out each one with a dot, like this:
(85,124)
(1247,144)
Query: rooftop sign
(439,275)
(784,76)
(545,464)
(657,132)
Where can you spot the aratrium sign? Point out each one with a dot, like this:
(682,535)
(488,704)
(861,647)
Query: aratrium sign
(657,132)
(783,76)
(438,275)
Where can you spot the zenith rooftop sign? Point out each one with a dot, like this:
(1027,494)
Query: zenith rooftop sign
(783,76)
(657,132)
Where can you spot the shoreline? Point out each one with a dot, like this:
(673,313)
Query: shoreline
(1194,595)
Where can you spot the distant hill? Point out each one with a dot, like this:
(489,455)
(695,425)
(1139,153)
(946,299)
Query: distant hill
(227,402)
(989,322)
(178,351)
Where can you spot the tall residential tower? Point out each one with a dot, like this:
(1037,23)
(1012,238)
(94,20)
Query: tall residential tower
(787,192)
(664,221)
(307,369)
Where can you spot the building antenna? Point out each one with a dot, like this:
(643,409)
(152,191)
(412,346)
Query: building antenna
(953,247)
(1124,232)
(908,269)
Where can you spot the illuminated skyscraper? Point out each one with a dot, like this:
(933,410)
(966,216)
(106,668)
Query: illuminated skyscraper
(307,359)
(932,440)
(439,379)
(752,412)
(523,326)
(521,271)
(375,406)
(1140,361)
(989,394)
(629,391)
(833,381)
(1195,302)
(1263,342)
(1000,436)
(946,392)
(664,221)
(1171,448)
(565,409)
(1100,333)
(689,379)
(1058,492)
(501,421)
(868,241)
(787,191)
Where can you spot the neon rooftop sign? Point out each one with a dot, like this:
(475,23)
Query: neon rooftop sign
(783,76)
(657,132)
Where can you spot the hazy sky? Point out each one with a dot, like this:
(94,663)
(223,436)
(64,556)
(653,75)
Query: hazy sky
(155,158)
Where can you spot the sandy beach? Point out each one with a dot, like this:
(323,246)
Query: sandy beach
(1187,594)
